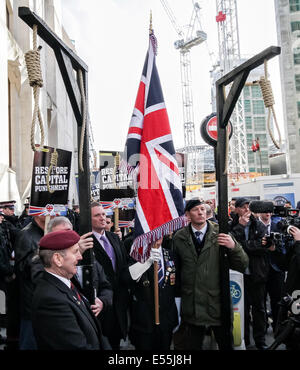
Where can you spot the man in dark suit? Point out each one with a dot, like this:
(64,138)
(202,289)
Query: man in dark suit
(62,318)
(276,276)
(111,254)
(144,333)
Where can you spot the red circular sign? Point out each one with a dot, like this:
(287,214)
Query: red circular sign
(209,129)
(212,128)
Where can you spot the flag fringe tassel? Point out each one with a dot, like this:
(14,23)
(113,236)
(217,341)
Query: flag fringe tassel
(145,240)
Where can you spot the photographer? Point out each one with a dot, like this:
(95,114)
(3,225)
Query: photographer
(288,325)
(275,279)
(249,232)
(293,263)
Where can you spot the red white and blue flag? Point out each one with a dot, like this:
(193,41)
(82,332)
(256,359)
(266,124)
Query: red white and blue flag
(150,154)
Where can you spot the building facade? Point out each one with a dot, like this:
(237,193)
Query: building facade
(256,116)
(16,103)
(288,33)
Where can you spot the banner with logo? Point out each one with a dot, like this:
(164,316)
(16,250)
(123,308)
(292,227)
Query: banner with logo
(50,182)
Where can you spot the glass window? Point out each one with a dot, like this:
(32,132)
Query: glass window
(251,159)
(256,91)
(248,122)
(294,5)
(247,106)
(259,123)
(246,92)
(249,140)
(252,169)
(264,157)
(296,53)
(258,107)
(298,108)
(295,26)
(297,82)
(262,140)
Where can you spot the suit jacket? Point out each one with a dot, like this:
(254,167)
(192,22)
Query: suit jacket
(118,281)
(60,320)
(142,308)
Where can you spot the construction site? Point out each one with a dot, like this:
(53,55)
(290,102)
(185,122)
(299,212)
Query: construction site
(126,153)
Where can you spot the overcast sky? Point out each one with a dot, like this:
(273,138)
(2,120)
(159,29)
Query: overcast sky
(111,37)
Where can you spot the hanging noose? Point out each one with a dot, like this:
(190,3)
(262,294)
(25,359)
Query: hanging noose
(33,64)
(34,70)
(267,93)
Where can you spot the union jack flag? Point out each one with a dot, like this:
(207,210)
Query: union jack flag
(150,153)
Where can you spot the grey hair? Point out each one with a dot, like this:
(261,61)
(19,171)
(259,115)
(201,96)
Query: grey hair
(58,221)
(208,210)
(47,254)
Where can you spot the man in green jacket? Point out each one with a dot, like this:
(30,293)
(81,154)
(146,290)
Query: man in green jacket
(197,252)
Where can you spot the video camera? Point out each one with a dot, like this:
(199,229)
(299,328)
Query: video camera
(289,217)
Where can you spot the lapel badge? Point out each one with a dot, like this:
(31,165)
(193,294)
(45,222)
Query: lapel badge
(146,283)
(76,300)
(172,279)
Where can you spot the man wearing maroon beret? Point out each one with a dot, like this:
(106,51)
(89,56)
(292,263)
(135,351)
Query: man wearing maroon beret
(61,317)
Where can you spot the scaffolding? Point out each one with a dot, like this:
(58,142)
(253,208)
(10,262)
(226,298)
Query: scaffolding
(230,58)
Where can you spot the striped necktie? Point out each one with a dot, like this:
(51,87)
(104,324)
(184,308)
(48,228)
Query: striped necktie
(160,273)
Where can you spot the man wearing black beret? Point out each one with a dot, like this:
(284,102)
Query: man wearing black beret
(62,318)
(197,262)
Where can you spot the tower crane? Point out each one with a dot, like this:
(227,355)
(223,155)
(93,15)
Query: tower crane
(186,41)
(230,57)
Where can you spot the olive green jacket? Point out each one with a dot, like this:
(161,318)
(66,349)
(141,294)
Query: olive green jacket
(198,277)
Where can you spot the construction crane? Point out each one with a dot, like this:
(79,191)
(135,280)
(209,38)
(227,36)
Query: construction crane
(188,40)
(230,57)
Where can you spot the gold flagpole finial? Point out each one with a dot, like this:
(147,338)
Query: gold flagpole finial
(150,27)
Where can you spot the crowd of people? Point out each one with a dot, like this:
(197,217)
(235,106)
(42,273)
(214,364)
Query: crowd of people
(42,274)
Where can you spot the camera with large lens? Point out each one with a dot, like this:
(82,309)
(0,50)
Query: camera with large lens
(289,217)
(273,239)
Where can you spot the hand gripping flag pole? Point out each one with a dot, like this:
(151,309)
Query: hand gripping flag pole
(150,157)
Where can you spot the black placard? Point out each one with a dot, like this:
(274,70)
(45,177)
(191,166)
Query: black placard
(59,180)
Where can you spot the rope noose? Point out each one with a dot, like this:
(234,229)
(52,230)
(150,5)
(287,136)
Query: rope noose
(267,93)
(33,64)
(84,113)
(53,163)
(34,70)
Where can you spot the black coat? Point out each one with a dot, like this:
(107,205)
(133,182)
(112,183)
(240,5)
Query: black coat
(28,269)
(142,308)
(118,280)
(60,321)
(101,284)
(293,269)
(258,254)
(6,268)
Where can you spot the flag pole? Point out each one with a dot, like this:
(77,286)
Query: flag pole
(155,265)
(156,296)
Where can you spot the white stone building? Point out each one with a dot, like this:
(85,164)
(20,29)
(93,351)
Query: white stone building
(16,99)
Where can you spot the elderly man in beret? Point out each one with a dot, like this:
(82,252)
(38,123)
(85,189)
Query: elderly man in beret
(62,318)
(197,260)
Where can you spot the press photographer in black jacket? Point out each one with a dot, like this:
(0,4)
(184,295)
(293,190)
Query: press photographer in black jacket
(249,232)
(293,263)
